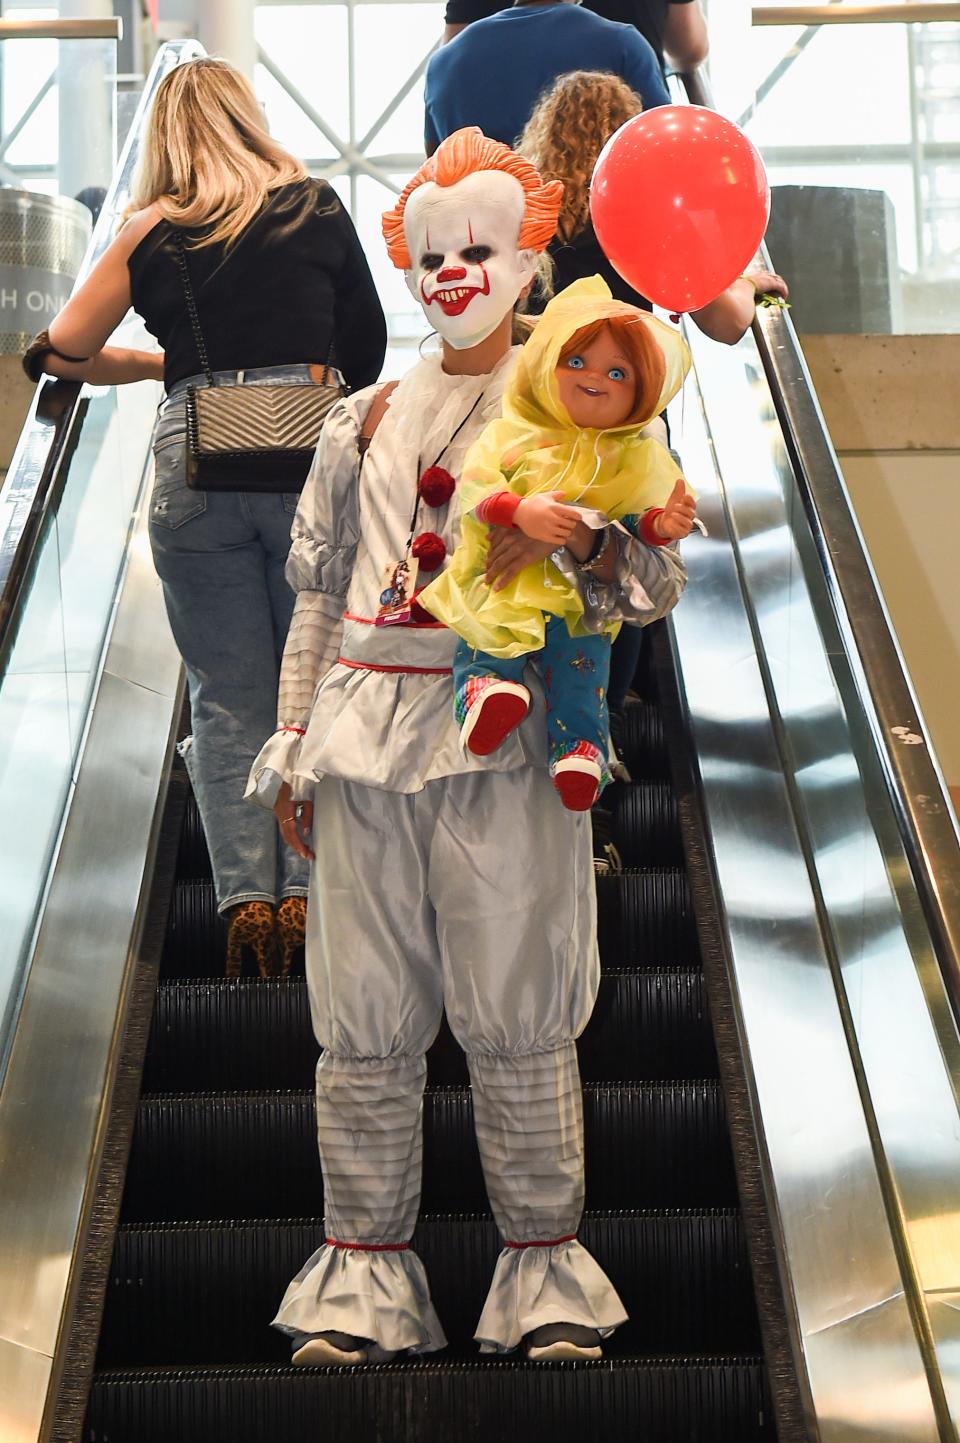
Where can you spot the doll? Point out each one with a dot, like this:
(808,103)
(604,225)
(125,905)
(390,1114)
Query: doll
(594,372)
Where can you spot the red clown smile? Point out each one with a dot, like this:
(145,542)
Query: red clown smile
(453,301)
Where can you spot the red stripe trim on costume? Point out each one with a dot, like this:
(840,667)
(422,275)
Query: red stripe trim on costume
(299,730)
(402,670)
(554,1243)
(403,625)
(369,1247)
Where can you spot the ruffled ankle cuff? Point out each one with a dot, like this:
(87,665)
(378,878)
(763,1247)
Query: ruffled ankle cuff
(533,1285)
(379,1295)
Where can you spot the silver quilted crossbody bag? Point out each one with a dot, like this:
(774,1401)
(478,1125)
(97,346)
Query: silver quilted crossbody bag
(251,438)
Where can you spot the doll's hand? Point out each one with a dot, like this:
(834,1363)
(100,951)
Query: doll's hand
(677,517)
(546,518)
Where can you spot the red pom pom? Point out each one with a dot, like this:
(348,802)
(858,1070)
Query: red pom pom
(436,486)
(430,550)
(420,613)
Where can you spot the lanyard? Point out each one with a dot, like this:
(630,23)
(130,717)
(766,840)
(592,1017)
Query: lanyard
(421,472)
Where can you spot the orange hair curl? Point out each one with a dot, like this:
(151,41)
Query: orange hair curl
(461,154)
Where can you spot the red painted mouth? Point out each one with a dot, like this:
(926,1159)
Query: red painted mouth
(453,301)
(591,391)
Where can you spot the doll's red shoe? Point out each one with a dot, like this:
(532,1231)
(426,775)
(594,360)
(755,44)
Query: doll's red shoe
(577,779)
(499,707)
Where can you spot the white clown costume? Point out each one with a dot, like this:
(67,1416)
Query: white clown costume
(441,880)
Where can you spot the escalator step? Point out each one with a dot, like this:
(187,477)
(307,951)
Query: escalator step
(644,918)
(205,1294)
(255,1155)
(193,859)
(645,826)
(702,1400)
(644,743)
(222,1036)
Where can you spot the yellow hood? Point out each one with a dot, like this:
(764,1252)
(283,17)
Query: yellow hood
(535,447)
(532,397)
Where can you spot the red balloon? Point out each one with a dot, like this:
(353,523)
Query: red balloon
(679,202)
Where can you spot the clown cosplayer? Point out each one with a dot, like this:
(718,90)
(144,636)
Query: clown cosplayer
(441,880)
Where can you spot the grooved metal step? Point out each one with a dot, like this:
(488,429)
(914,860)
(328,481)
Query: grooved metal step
(205,1293)
(218,1035)
(255,1155)
(626,1400)
(644,919)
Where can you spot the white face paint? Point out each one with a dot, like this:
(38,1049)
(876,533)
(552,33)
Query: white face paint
(467,272)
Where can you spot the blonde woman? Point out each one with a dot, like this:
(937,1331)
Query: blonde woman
(563,138)
(281,285)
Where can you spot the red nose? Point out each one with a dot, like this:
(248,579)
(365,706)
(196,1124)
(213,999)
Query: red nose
(452,273)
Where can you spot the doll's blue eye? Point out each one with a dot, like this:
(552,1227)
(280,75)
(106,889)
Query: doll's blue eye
(616,374)
(575,363)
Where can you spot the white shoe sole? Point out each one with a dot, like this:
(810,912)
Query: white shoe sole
(320,1353)
(562,1353)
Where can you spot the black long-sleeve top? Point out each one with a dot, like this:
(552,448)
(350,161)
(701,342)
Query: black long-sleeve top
(295,279)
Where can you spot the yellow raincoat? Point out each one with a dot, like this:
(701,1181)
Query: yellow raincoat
(534,447)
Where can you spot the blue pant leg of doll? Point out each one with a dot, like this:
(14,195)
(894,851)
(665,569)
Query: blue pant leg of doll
(470,665)
(575,673)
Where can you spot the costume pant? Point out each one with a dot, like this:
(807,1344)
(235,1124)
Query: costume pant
(476,894)
(575,671)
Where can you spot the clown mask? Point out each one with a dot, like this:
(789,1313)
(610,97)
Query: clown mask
(467,272)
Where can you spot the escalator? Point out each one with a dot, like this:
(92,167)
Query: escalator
(770,1076)
(223,1199)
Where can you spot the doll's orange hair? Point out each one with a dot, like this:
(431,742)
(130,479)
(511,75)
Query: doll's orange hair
(641,347)
(461,154)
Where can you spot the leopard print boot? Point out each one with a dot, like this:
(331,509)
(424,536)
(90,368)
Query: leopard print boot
(250,929)
(291,932)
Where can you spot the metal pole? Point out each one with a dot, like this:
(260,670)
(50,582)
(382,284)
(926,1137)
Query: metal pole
(86,82)
(916,151)
(352,100)
(225,28)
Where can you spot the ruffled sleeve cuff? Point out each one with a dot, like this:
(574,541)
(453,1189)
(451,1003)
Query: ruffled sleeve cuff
(648,582)
(274,765)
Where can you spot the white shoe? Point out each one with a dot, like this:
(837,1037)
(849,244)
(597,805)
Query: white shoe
(339,1350)
(563,1342)
(577,779)
(500,707)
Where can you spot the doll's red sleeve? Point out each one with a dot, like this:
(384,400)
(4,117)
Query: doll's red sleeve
(648,531)
(498,509)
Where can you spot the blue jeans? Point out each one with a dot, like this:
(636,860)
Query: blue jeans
(220,557)
(574,669)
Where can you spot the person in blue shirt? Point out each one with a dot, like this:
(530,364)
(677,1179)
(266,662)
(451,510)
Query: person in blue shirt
(493,73)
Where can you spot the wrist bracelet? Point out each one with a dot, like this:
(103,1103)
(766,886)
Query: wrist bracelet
(601,541)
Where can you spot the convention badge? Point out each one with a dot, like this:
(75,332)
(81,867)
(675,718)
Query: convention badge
(396,598)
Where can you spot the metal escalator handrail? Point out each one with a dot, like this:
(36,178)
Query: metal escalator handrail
(108,28)
(914,13)
(925,816)
(55,411)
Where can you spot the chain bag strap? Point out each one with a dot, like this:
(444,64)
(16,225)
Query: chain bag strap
(252,437)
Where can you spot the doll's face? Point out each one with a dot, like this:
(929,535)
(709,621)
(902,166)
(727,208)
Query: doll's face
(598,383)
(467,271)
